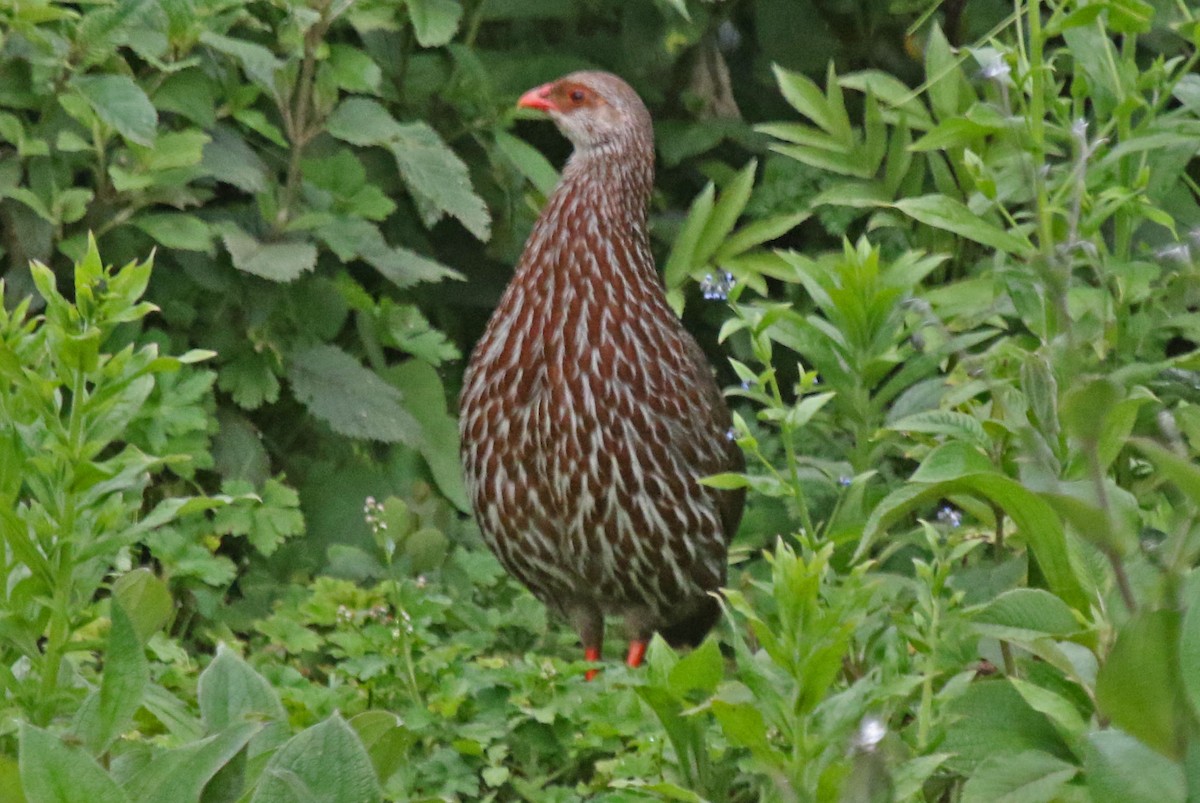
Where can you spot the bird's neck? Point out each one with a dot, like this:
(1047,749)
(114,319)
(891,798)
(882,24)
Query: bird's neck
(593,227)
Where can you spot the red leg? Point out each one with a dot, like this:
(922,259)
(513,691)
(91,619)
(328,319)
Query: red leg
(637,651)
(591,654)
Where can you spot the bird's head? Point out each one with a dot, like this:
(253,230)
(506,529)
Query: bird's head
(592,109)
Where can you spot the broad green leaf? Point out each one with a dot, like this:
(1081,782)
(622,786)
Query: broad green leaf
(700,670)
(384,736)
(990,718)
(942,76)
(353,69)
(434,21)
(529,161)
(1035,520)
(176,230)
(743,725)
(1061,712)
(1180,471)
(1139,688)
(1189,641)
(1120,768)
(1030,609)
(351,399)
(943,212)
(279,262)
(1030,776)
(326,762)
(260,65)
(425,398)
(950,461)
(53,772)
(146,599)
(121,103)
(181,773)
(230,693)
(126,673)
(962,427)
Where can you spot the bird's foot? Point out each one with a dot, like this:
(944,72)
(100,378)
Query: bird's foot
(591,654)
(637,651)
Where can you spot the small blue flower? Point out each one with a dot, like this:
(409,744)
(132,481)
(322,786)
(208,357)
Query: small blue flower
(950,516)
(716,288)
(731,434)
(845,481)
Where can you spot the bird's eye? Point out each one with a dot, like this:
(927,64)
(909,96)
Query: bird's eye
(577,96)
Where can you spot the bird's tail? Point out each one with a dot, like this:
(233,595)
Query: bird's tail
(691,631)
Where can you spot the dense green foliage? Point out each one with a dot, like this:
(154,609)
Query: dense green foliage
(953,289)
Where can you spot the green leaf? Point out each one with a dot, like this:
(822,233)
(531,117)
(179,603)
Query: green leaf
(963,427)
(52,772)
(1120,768)
(279,262)
(683,252)
(991,719)
(725,213)
(1182,472)
(434,174)
(146,598)
(529,161)
(176,230)
(326,762)
(259,64)
(1034,517)
(182,773)
(353,400)
(434,21)
(806,97)
(1030,609)
(1030,776)
(231,693)
(946,213)
(700,670)
(1189,641)
(121,103)
(425,398)
(126,674)
(1139,688)
(950,461)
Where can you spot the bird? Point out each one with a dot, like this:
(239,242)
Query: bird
(588,413)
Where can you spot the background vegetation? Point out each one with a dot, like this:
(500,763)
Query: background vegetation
(945,256)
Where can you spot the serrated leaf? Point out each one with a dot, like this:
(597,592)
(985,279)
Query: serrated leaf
(326,762)
(337,389)
(279,262)
(943,212)
(53,772)
(121,103)
(431,170)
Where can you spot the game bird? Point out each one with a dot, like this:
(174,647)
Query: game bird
(588,413)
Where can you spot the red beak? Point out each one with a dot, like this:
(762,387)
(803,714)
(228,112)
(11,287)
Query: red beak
(537,98)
